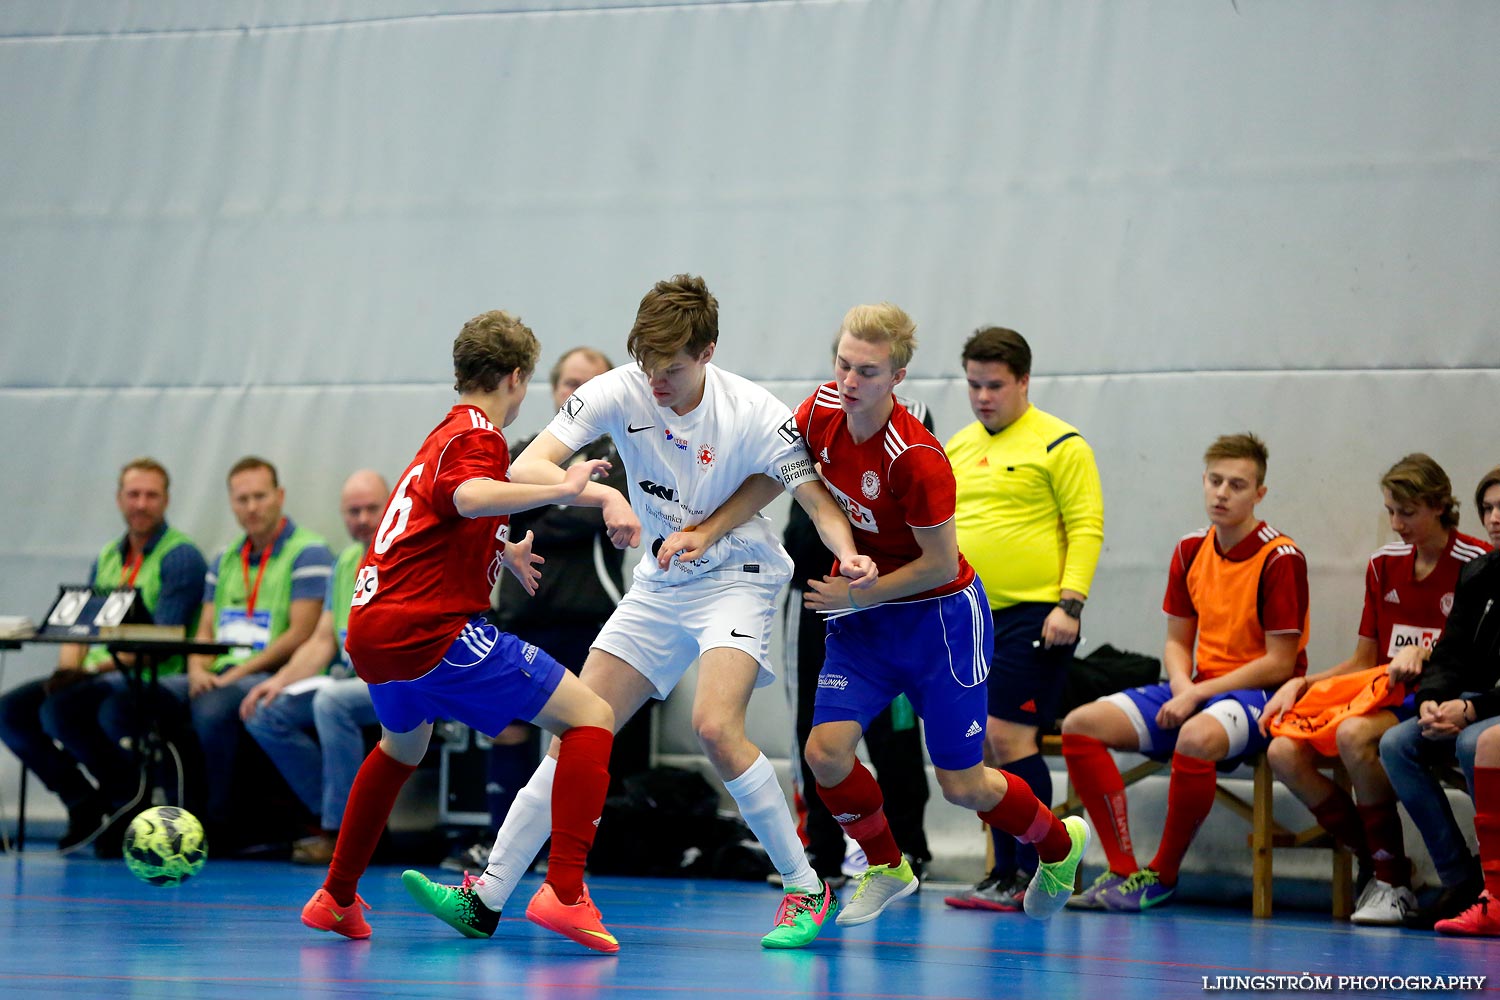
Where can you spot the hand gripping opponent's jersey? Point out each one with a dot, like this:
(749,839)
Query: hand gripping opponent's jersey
(897,480)
(683,468)
(429,569)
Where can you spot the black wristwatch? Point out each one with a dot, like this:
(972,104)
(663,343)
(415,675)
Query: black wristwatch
(1072,606)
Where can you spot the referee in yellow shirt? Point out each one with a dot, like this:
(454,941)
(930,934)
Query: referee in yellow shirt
(1031,522)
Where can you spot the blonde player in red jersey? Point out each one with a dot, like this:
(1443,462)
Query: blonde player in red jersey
(923,629)
(418,636)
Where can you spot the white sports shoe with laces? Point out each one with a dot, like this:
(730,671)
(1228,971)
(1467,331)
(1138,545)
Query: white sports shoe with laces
(1383,905)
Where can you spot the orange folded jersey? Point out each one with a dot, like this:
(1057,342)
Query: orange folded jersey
(1330,701)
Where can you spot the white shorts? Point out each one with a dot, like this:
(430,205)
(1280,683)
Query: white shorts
(661,632)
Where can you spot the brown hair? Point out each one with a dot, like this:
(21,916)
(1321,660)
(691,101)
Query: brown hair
(1491,478)
(145,464)
(996,343)
(597,357)
(679,314)
(1417,478)
(489,347)
(1240,446)
(252,462)
(884,323)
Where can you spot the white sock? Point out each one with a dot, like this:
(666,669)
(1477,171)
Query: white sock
(764,808)
(527,826)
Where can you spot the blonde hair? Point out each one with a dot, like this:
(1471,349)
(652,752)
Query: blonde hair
(676,315)
(883,323)
(1240,446)
(1418,478)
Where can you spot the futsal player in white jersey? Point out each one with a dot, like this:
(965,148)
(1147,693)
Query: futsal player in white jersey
(690,434)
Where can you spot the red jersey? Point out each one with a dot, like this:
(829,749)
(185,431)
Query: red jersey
(1279,596)
(897,480)
(429,569)
(1400,611)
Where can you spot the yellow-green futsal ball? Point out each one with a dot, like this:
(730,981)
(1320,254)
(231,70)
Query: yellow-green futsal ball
(165,846)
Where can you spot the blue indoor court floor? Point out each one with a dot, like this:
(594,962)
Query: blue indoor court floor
(88,929)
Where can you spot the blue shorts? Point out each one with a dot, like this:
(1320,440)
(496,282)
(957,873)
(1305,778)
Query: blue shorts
(1238,712)
(1026,680)
(486,680)
(936,652)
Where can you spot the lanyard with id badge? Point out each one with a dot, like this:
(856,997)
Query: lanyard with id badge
(246,626)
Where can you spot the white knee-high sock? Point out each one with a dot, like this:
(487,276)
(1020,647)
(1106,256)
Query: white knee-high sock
(765,810)
(527,826)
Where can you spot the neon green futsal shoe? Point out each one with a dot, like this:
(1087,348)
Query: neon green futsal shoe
(1053,882)
(879,887)
(800,918)
(458,906)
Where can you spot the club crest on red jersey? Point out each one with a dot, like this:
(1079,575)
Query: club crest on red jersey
(869,485)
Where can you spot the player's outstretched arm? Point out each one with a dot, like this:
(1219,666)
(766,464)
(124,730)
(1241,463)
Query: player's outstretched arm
(540,464)
(837,535)
(491,497)
(743,504)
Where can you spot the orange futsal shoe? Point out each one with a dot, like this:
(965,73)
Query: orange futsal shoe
(581,921)
(323,913)
(1480,920)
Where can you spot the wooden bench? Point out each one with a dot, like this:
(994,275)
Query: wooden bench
(1266,834)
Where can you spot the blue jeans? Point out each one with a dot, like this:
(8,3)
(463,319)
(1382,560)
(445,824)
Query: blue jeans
(23,729)
(215,717)
(1409,759)
(321,772)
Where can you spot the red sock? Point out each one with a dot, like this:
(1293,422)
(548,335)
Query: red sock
(1093,772)
(1022,815)
(1487,825)
(1337,814)
(371,799)
(859,807)
(577,802)
(1190,796)
(1387,845)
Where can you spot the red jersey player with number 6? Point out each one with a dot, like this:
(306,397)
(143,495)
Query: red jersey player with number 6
(418,636)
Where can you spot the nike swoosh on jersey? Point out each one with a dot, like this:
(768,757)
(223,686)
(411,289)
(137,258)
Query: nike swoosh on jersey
(740,635)
(629,429)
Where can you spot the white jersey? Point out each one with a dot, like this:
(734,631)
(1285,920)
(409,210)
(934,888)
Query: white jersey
(683,468)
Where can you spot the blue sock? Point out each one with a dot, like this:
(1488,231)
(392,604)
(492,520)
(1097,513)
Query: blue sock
(1034,771)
